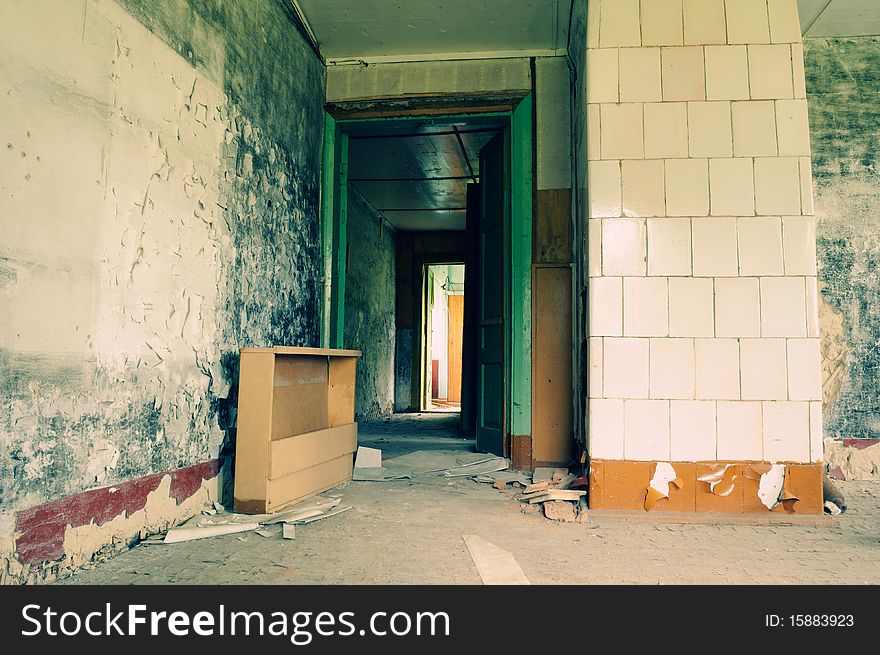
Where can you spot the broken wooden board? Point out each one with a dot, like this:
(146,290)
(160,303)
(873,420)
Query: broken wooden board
(305,511)
(556,494)
(318,517)
(495,566)
(177,535)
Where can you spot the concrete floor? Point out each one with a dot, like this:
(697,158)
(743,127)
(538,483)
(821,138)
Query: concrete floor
(403,533)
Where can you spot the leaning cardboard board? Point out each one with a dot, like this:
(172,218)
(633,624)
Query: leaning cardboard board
(296,431)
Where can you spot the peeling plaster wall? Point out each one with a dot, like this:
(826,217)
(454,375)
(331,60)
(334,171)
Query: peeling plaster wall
(370,306)
(159,180)
(843,83)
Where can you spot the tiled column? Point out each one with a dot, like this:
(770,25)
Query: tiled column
(703,322)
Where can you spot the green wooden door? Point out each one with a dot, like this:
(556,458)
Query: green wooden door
(494,216)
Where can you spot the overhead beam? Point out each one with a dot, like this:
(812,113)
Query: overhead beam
(451,178)
(464,152)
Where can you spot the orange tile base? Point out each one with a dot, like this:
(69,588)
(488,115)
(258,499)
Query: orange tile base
(621,484)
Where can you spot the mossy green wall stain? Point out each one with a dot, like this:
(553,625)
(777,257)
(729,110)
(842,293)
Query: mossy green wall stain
(843,89)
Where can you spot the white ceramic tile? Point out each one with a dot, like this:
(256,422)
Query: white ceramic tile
(717,369)
(760,246)
(793,128)
(606,306)
(732,187)
(622,131)
(683,74)
(606,428)
(770,73)
(797,65)
(799,245)
(619,24)
(625,368)
(763,365)
(709,129)
(812,307)
(646,427)
(805,168)
(604,189)
(593,132)
(727,72)
(786,431)
(644,192)
(704,22)
(690,307)
(737,307)
(669,246)
(596,349)
(603,76)
(624,244)
(783,307)
(777,186)
(740,431)
(804,369)
(687,187)
(714,247)
(747,21)
(662,23)
(594,247)
(666,133)
(671,368)
(640,75)
(645,307)
(754,129)
(593,19)
(816,433)
(785,24)
(692,430)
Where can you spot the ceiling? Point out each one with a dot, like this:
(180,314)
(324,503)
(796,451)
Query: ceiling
(839,17)
(371,30)
(415,173)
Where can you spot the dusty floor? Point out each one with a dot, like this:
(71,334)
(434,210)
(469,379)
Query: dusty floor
(411,534)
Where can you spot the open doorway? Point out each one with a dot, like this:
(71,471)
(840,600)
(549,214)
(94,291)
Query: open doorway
(455,193)
(443,336)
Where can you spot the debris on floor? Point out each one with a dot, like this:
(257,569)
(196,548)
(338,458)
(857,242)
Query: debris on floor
(495,566)
(835,503)
(266,525)
(368,458)
(436,467)
(554,495)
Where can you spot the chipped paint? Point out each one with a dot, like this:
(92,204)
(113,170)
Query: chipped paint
(770,486)
(175,222)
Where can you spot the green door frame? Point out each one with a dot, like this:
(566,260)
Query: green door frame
(334,189)
(334,243)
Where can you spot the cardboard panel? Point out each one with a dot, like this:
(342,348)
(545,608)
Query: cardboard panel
(552,425)
(340,393)
(683,499)
(303,451)
(308,482)
(254,425)
(299,404)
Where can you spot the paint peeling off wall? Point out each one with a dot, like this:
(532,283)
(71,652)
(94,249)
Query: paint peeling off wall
(843,80)
(159,180)
(370,306)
